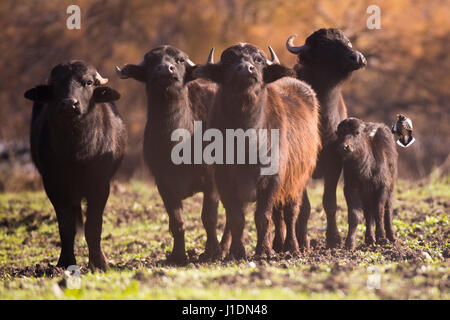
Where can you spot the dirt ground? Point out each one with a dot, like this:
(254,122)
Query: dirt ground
(136,241)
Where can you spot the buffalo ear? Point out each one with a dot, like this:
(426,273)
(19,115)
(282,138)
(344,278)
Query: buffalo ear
(189,75)
(274,72)
(210,71)
(41,93)
(105,94)
(134,71)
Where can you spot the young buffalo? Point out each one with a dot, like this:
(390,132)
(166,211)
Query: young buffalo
(370,170)
(77,143)
(251,95)
(175,102)
(325,62)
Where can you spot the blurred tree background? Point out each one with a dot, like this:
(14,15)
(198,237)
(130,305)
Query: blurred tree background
(408,58)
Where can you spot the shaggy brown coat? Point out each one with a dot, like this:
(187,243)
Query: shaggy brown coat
(254,93)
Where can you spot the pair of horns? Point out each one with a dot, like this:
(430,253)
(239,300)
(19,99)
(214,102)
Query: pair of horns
(273,57)
(294,49)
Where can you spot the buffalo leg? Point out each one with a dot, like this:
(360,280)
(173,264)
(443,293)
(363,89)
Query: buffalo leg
(263,216)
(67,230)
(302,222)
(225,242)
(280,228)
(388,219)
(291,210)
(66,225)
(370,234)
(235,212)
(209,219)
(331,179)
(379,218)
(353,204)
(93,228)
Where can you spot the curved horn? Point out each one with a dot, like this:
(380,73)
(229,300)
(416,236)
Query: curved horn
(211,56)
(290,45)
(100,79)
(123,75)
(273,57)
(189,62)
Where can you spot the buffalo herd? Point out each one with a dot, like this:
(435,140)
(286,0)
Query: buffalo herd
(78,140)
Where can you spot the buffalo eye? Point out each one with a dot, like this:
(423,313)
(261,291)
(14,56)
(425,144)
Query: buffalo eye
(258,60)
(180,60)
(88,83)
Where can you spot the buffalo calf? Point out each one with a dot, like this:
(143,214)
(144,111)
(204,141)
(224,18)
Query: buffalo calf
(77,143)
(370,169)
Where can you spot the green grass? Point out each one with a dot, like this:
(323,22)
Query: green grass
(136,241)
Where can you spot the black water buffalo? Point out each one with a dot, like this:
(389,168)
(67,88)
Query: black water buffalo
(77,143)
(370,157)
(326,61)
(174,102)
(258,94)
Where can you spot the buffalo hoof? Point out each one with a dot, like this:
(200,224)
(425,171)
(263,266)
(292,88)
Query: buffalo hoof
(350,244)
(223,253)
(304,244)
(333,241)
(264,252)
(212,252)
(66,260)
(177,259)
(98,262)
(369,240)
(237,252)
(292,247)
(209,256)
(278,245)
(382,241)
(391,238)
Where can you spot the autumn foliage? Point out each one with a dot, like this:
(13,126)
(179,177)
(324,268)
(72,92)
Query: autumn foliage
(408,58)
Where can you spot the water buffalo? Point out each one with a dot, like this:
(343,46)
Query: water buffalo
(175,102)
(77,143)
(258,94)
(370,171)
(325,62)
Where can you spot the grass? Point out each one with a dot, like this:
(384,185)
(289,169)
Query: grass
(136,241)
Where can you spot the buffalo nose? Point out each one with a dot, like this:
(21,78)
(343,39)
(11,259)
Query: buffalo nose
(166,68)
(245,68)
(358,59)
(71,104)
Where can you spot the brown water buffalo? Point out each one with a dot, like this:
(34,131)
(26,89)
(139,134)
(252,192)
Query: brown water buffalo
(255,93)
